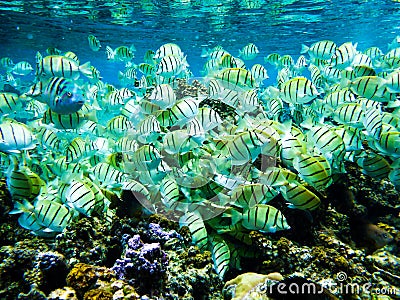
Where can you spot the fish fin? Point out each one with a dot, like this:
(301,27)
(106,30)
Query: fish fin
(86,69)
(304,49)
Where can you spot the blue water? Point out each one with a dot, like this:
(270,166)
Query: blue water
(274,26)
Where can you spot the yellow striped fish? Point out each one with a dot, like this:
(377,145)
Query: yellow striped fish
(107,175)
(322,49)
(315,170)
(389,143)
(261,217)
(298,90)
(237,79)
(80,197)
(220,254)
(249,52)
(276,177)
(54,216)
(350,114)
(69,121)
(169,191)
(94,43)
(197,229)
(60,66)
(299,196)
(248,195)
(374,165)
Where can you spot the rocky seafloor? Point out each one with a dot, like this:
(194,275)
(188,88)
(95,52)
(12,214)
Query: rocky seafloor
(149,257)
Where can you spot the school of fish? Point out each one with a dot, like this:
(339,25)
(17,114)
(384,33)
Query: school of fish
(70,143)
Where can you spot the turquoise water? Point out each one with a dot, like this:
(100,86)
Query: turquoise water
(274,26)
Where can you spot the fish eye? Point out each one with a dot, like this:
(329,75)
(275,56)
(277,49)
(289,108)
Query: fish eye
(69,94)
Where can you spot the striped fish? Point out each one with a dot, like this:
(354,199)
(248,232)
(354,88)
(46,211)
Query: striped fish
(22,68)
(350,114)
(374,165)
(298,90)
(261,217)
(220,254)
(169,191)
(163,95)
(259,72)
(94,43)
(249,52)
(178,142)
(126,145)
(299,196)
(344,55)
(291,148)
(352,137)
(286,61)
(245,146)
(322,49)
(60,66)
(327,141)
(107,175)
(248,195)
(47,138)
(22,183)
(171,65)
(135,187)
(371,87)
(197,229)
(315,170)
(373,122)
(184,110)
(60,167)
(9,103)
(273,59)
(54,216)
(147,157)
(121,53)
(77,149)
(316,76)
(248,101)
(69,121)
(80,197)
(208,118)
(15,136)
(275,177)
(229,61)
(27,219)
(119,125)
(149,129)
(389,143)
(168,49)
(237,79)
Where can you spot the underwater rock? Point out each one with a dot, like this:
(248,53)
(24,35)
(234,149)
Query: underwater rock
(249,286)
(18,272)
(84,277)
(143,265)
(88,241)
(65,293)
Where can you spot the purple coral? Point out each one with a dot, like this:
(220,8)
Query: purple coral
(144,264)
(156,233)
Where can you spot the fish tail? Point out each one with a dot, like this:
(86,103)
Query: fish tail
(304,49)
(19,207)
(86,69)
